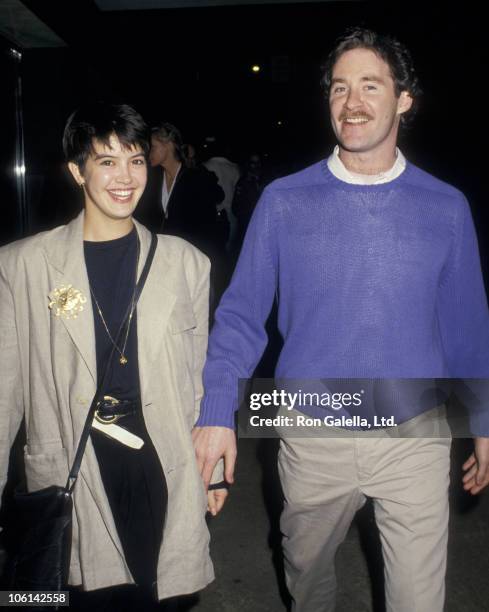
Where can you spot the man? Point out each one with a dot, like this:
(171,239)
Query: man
(377,272)
(139,504)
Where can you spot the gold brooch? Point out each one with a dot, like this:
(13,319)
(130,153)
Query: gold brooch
(67,302)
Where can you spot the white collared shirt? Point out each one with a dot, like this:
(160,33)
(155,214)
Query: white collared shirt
(337,168)
(165,194)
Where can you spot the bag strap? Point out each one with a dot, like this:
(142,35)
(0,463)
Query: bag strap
(125,321)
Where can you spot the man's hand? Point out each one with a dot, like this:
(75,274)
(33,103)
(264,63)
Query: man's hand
(210,444)
(215,500)
(477,467)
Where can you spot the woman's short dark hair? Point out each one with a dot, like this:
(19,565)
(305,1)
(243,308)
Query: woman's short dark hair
(393,52)
(166,132)
(99,121)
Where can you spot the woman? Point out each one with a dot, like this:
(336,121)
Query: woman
(139,531)
(179,200)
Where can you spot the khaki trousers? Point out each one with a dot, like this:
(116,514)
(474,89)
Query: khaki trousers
(327,479)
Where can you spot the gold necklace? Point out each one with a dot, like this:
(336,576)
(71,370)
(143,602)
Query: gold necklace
(122,358)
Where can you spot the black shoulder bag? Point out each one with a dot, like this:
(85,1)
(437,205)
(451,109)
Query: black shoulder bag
(43,559)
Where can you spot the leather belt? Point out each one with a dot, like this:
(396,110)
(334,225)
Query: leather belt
(110,409)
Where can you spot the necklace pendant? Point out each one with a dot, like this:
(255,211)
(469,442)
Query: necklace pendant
(122,360)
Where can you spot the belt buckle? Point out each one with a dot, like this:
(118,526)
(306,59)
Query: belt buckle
(111,419)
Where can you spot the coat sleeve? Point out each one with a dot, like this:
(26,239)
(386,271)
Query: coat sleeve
(11,396)
(199,286)
(200,299)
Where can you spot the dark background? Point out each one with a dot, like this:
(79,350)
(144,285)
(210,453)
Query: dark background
(192,67)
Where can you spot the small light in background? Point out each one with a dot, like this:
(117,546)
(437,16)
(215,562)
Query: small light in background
(279,123)
(255,68)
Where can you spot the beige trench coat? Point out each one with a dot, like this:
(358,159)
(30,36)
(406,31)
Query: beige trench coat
(48,372)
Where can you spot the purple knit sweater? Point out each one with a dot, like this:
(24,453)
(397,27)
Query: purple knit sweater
(373,281)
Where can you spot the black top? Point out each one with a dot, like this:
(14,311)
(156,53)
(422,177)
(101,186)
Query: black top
(111,267)
(133,479)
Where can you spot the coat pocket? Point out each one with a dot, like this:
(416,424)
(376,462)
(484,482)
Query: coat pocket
(183,318)
(182,324)
(45,465)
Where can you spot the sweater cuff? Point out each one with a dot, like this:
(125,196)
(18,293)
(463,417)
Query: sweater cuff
(216,411)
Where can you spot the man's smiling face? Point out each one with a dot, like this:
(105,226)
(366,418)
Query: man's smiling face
(365,110)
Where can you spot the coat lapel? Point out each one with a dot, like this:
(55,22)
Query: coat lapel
(155,305)
(65,254)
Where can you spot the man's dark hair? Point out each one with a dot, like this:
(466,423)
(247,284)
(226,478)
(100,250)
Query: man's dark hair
(393,52)
(167,132)
(99,121)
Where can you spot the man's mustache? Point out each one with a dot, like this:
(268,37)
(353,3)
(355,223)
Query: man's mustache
(363,115)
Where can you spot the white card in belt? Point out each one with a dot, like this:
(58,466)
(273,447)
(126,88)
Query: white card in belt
(119,433)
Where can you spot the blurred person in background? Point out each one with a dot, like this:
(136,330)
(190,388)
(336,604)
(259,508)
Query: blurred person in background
(227,173)
(180,200)
(192,160)
(246,195)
